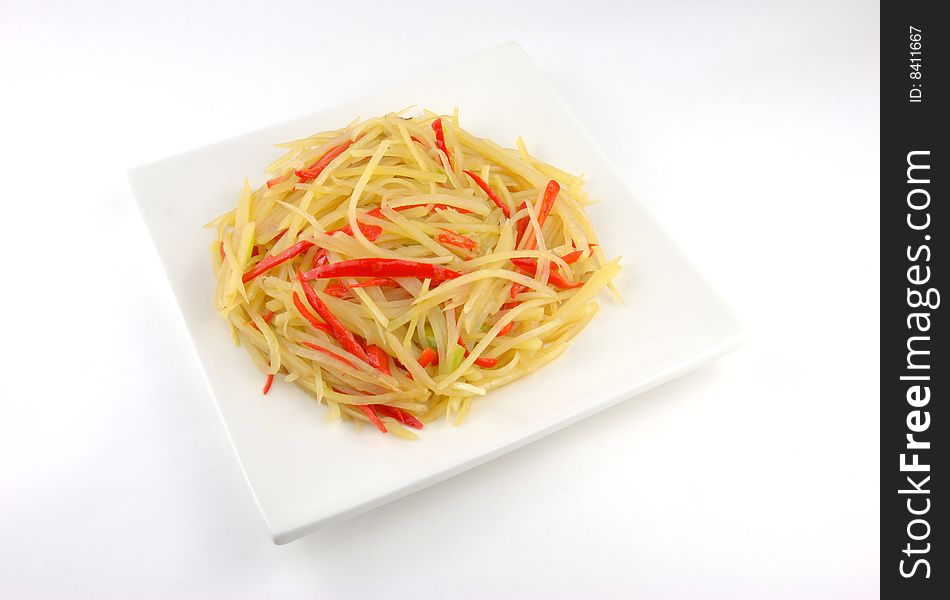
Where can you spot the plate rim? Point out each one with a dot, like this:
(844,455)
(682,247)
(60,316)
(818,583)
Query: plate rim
(732,339)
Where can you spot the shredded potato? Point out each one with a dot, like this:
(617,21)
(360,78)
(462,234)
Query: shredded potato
(499,268)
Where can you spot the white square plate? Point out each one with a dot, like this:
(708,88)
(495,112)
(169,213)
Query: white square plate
(306,471)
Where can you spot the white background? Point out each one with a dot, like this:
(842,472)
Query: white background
(756,477)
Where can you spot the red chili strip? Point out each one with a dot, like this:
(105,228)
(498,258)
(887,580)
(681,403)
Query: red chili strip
(417,140)
(370,357)
(314,170)
(221,250)
(487,189)
(400,415)
(336,289)
(310,317)
(440,140)
(373,361)
(554,278)
(329,353)
(321,257)
(454,239)
(403,367)
(517,288)
(371,232)
(522,225)
(340,332)
(507,328)
(547,203)
(572,257)
(530,264)
(268,383)
(381,267)
(369,412)
(381,357)
(267,315)
(269,262)
(426,358)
